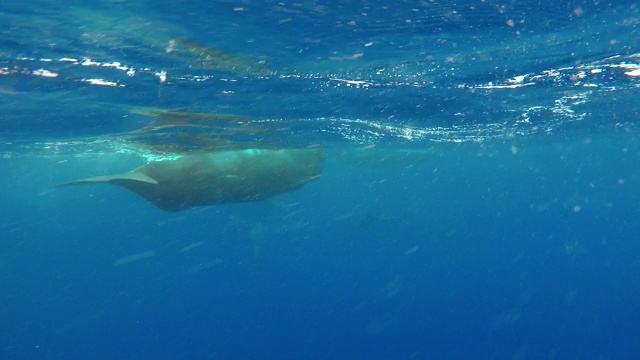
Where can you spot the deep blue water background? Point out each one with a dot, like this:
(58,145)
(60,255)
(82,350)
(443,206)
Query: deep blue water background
(518,244)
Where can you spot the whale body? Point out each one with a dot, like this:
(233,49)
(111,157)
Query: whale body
(219,177)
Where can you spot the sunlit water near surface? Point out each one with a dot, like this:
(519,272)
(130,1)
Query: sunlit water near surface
(479,199)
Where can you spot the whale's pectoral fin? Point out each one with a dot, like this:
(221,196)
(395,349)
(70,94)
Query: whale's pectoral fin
(131,176)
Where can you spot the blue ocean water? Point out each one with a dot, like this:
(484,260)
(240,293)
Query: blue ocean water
(479,198)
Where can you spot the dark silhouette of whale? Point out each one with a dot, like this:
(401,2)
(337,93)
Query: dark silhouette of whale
(211,178)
